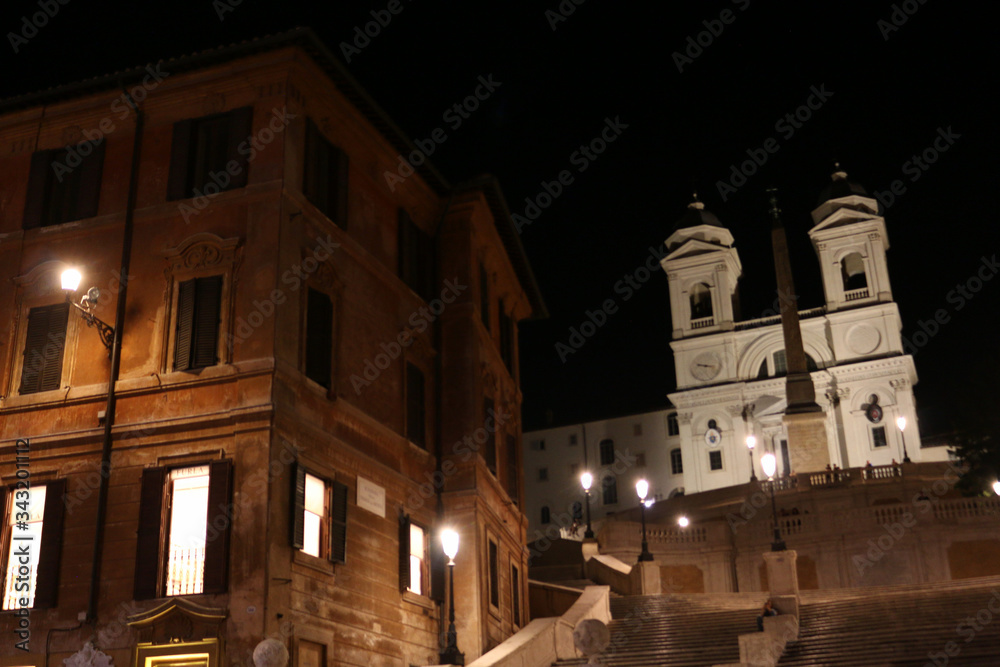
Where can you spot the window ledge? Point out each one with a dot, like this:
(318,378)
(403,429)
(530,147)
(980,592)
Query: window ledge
(419,600)
(299,557)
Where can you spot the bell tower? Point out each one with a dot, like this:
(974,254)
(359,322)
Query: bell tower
(702,268)
(850,241)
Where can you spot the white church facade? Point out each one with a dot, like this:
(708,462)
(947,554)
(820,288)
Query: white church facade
(730,373)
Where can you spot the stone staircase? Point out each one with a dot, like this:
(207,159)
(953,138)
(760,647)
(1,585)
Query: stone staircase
(899,625)
(891,625)
(678,630)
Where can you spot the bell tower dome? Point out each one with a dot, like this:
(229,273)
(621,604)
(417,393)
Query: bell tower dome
(850,241)
(702,268)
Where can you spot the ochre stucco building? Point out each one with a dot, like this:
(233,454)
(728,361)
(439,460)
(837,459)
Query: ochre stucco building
(318,371)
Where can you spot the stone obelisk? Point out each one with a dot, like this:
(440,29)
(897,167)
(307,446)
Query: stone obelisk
(804,420)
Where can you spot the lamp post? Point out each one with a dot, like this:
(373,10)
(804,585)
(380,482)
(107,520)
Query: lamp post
(901,423)
(751,443)
(642,488)
(769,465)
(587,480)
(450,655)
(70,280)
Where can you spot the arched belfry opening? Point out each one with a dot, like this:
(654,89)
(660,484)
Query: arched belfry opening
(852,271)
(701,301)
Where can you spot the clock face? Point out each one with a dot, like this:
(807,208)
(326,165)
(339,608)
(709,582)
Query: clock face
(706,366)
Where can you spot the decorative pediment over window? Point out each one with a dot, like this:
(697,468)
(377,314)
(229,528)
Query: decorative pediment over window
(178,620)
(202,251)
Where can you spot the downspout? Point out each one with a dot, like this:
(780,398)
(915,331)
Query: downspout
(116,356)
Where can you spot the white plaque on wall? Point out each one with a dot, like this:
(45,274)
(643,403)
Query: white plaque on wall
(371,496)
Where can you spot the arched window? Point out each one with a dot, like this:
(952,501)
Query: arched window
(676,462)
(609,486)
(852,270)
(673,426)
(607,452)
(701,301)
(546,515)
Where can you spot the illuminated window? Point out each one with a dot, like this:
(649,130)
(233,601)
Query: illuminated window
(319,527)
(24,525)
(417,547)
(193,542)
(31,554)
(186,541)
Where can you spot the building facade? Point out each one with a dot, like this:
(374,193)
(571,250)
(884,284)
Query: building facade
(317,373)
(617,452)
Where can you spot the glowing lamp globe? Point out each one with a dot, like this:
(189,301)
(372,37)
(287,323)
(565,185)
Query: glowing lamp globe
(587,480)
(642,488)
(449,541)
(71,279)
(683,522)
(769,464)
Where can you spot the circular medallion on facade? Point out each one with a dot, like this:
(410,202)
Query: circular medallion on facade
(713,438)
(863,339)
(874,411)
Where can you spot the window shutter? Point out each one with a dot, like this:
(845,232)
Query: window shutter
(240,126)
(341,168)
(204,344)
(89,193)
(38,180)
(180,161)
(484,296)
(416,406)
(45,339)
(513,470)
(404,552)
(319,337)
(425,264)
(297,522)
(439,565)
(314,174)
(148,537)
(220,492)
(338,523)
(185,325)
(47,581)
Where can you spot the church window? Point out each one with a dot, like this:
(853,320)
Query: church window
(715,460)
(701,301)
(852,270)
(878,437)
(676,462)
(610,487)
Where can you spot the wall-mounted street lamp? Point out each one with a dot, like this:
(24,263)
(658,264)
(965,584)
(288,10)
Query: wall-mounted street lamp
(769,464)
(901,423)
(450,655)
(642,488)
(587,480)
(70,282)
(751,443)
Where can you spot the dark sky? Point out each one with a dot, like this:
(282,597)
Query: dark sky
(890,90)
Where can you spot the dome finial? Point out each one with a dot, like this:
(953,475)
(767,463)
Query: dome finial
(838,173)
(695,202)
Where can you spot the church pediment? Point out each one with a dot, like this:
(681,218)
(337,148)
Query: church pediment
(693,248)
(843,217)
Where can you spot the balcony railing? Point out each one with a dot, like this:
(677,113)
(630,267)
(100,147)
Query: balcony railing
(702,322)
(855,294)
(186,570)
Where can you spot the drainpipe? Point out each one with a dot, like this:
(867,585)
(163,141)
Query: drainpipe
(116,356)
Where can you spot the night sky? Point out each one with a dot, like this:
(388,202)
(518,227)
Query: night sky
(892,79)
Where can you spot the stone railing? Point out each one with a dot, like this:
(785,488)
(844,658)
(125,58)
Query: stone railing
(688,535)
(546,640)
(702,322)
(965,508)
(855,294)
(776,319)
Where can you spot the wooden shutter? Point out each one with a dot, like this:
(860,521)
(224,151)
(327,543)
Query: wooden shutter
(484,296)
(180,161)
(185,325)
(404,552)
(425,264)
(439,566)
(416,406)
(220,517)
(89,192)
(47,581)
(204,343)
(490,451)
(494,574)
(45,340)
(240,126)
(338,522)
(315,176)
(515,588)
(341,169)
(298,506)
(38,185)
(513,470)
(319,337)
(149,535)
